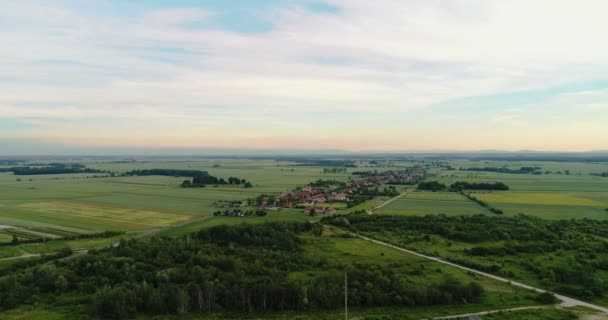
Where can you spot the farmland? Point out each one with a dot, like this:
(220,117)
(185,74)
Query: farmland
(425,202)
(52,213)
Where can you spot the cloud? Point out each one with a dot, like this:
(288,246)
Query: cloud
(393,57)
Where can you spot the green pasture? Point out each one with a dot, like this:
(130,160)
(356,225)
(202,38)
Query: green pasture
(426,202)
(550,205)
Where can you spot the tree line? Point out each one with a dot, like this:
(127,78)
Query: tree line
(521,170)
(462,185)
(54,168)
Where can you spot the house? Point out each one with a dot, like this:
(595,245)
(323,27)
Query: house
(307,189)
(319,198)
(308,202)
(330,210)
(319,210)
(340,197)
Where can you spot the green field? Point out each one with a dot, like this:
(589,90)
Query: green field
(426,202)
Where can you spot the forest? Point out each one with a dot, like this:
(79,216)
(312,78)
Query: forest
(241,268)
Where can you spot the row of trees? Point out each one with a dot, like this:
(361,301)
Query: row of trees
(482,203)
(462,185)
(521,170)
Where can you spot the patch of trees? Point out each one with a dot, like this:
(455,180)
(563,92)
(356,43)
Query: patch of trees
(364,193)
(334,170)
(431,186)
(242,268)
(521,170)
(327,183)
(462,185)
(603,174)
(199,178)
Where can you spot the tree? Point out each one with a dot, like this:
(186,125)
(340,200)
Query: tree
(547,298)
(247,185)
(15,240)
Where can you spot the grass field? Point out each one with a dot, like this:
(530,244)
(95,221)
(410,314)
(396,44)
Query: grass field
(426,202)
(550,205)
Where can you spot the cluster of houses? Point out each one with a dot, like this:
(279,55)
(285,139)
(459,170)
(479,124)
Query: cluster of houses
(239,213)
(313,198)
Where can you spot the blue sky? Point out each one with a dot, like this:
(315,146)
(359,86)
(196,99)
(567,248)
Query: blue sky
(304,74)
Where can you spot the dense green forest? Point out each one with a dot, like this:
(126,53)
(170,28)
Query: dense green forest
(569,256)
(240,268)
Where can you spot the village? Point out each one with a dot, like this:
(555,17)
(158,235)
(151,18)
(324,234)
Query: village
(317,197)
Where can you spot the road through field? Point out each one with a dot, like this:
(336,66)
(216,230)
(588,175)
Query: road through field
(566,301)
(483,313)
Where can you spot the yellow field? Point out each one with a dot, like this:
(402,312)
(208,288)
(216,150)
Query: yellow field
(105,215)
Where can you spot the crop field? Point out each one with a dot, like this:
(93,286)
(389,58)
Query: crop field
(102,217)
(550,205)
(426,202)
(548,195)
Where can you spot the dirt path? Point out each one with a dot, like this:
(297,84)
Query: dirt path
(23,256)
(565,301)
(483,313)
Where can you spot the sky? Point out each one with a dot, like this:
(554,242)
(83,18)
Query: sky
(354,75)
